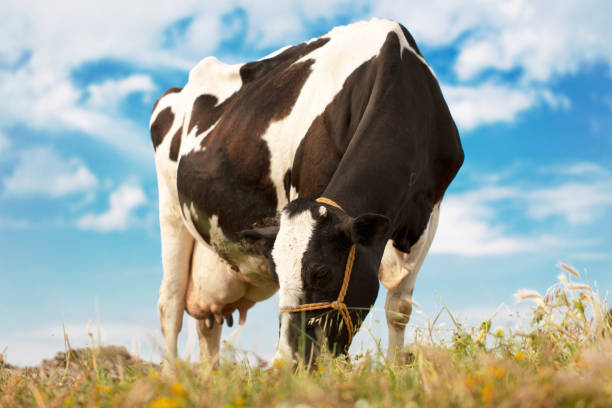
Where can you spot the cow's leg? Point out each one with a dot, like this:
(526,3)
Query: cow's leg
(398,308)
(177,245)
(210,339)
(398,304)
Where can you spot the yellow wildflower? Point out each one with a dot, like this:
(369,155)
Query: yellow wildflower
(499,333)
(499,372)
(469,381)
(519,355)
(178,389)
(163,402)
(487,392)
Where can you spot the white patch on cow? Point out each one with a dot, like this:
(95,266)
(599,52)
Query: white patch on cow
(396,265)
(283,351)
(189,214)
(293,194)
(348,47)
(169,100)
(192,141)
(289,248)
(214,77)
(322,211)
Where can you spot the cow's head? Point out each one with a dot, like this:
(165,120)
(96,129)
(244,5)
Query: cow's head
(309,258)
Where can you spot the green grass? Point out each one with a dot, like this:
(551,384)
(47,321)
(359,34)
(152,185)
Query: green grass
(564,359)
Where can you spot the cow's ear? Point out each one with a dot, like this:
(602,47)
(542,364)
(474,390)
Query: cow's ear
(265,234)
(369,229)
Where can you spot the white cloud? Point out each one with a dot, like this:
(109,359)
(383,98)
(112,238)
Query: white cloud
(483,104)
(111,92)
(46,99)
(468,227)
(473,106)
(543,38)
(122,202)
(41,171)
(583,169)
(578,203)
(471,223)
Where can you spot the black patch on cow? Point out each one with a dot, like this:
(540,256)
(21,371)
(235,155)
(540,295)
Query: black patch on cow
(169,91)
(287,184)
(205,112)
(161,126)
(175,144)
(252,71)
(230,177)
(326,140)
(297,206)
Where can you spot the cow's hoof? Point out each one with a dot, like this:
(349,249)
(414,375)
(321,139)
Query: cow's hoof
(167,369)
(404,357)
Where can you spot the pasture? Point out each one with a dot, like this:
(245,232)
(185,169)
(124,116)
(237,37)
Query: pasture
(563,359)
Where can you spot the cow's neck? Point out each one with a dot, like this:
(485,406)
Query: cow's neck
(368,187)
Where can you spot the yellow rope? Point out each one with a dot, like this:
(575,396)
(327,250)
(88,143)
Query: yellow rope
(339,304)
(327,201)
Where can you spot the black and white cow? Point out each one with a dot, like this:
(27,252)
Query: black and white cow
(356,116)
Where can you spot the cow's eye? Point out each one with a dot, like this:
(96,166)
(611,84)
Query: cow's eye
(320,273)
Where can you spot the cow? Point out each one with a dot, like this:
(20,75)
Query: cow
(316,171)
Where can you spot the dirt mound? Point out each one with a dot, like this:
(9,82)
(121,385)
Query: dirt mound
(4,365)
(112,360)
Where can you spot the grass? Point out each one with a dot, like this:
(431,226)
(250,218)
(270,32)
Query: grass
(563,359)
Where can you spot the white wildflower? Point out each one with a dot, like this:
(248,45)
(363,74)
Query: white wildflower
(528,294)
(568,268)
(579,286)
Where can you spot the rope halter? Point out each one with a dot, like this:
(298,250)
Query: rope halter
(338,304)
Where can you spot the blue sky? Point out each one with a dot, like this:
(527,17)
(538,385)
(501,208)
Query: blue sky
(529,85)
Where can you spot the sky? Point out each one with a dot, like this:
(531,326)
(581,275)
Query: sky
(529,85)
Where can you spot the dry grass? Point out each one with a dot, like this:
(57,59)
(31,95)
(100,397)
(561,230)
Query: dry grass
(563,359)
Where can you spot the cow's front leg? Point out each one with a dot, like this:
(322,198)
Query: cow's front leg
(398,305)
(398,308)
(177,246)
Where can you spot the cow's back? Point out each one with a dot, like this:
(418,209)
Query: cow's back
(229,138)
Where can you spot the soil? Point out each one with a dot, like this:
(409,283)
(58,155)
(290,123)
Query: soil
(113,360)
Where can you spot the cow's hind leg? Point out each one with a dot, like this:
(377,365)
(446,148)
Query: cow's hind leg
(177,245)
(398,304)
(209,333)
